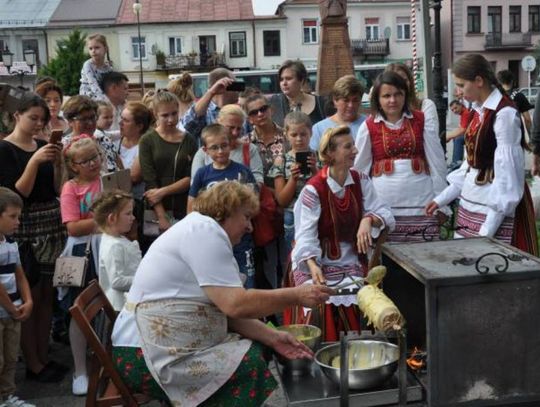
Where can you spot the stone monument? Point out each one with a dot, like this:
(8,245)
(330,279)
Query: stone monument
(335,55)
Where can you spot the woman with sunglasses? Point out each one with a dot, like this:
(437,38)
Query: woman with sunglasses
(266,134)
(272,145)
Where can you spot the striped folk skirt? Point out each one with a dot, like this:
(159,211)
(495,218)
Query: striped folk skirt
(330,318)
(415,229)
(519,231)
(41,236)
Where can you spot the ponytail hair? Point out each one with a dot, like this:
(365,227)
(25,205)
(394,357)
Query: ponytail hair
(470,66)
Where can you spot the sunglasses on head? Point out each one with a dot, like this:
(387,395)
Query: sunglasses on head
(262,109)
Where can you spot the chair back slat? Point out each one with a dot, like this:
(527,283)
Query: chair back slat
(95,316)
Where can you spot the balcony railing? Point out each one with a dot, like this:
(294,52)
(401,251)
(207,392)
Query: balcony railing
(367,48)
(508,40)
(192,61)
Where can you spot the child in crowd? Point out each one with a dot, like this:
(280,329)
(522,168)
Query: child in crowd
(217,145)
(83,161)
(95,67)
(105,115)
(289,179)
(118,256)
(15,297)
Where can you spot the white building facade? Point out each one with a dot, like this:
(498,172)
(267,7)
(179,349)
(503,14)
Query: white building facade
(504,31)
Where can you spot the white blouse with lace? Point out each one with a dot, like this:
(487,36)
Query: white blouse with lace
(406,192)
(306,220)
(499,198)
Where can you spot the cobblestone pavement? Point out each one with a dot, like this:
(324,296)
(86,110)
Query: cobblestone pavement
(59,394)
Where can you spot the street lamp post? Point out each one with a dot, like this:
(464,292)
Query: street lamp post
(137,7)
(437,72)
(29,58)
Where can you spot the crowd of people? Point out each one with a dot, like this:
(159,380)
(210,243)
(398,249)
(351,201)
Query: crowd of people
(241,208)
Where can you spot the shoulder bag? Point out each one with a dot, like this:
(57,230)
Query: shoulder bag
(268,223)
(70,271)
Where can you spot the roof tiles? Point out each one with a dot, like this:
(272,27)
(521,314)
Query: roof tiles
(186,11)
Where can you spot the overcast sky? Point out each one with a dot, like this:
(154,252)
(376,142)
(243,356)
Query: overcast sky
(265,7)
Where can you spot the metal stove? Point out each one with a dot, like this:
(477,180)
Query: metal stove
(474,306)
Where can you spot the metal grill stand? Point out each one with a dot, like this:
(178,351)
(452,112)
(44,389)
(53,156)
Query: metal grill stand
(344,339)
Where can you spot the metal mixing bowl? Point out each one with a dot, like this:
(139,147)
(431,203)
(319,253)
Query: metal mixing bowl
(375,362)
(310,336)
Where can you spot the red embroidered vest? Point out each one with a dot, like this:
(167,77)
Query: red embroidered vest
(480,141)
(406,142)
(340,218)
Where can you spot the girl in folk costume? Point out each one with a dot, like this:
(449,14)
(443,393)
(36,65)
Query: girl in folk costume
(494,199)
(404,157)
(337,215)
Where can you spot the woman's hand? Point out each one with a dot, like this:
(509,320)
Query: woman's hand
(363,236)
(25,310)
(154,195)
(316,274)
(295,171)
(164,223)
(220,87)
(310,295)
(441,217)
(431,208)
(288,346)
(47,153)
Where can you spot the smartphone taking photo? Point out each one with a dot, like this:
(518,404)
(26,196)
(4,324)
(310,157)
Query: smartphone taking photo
(237,86)
(56,137)
(301,158)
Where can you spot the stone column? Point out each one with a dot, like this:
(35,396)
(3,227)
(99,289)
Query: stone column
(335,55)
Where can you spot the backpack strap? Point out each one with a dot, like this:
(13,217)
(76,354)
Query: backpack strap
(245,154)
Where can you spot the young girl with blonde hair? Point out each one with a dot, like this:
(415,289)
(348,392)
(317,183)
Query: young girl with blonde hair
(118,256)
(84,162)
(95,67)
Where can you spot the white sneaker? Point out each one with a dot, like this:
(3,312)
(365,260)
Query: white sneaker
(14,401)
(79,386)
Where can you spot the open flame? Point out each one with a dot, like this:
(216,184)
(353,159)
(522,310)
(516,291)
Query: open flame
(417,360)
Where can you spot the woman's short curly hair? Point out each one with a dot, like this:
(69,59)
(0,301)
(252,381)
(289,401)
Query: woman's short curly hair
(224,199)
(77,104)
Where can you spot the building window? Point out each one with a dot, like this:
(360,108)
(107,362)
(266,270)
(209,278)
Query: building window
(515,19)
(495,19)
(272,43)
(403,28)
(473,19)
(310,31)
(372,28)
(534,18)
(175,46)
(237,44)
(135,47)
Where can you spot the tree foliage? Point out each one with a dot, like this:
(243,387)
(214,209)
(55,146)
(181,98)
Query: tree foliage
(66,66)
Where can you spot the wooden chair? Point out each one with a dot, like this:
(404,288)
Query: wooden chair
(105,388)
